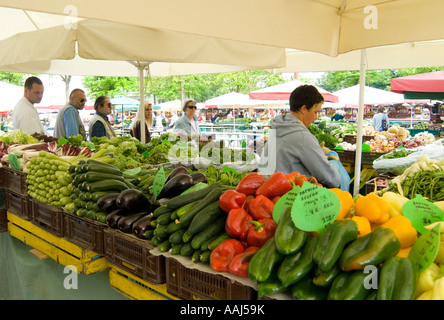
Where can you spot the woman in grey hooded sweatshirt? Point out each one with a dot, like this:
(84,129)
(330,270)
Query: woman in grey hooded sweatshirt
(292,147)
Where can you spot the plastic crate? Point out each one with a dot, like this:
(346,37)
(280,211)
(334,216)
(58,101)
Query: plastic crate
(3,220)
(369,157)
(193,284)
(131,254)
(84,232)
(18,204)
(47,217)
(370,185)
(3,177)
(436,133)
(16,181)
(352,138)
(346,155)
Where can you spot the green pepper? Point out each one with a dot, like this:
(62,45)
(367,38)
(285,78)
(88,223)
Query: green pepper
(270,286)
(263,262)
(372,249)
(332,242)
(295,266)
(397,280)
(289,239)
(325,278)
(306,290)
(349,286)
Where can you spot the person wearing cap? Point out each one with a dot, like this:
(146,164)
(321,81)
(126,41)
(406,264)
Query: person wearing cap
(68,122)
(188,123)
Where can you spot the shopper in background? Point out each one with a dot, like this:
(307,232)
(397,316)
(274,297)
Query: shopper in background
(99,125)
(135,126)
(25,116)
(380,120)
(337,116)
(188,123)
(68,122)
(297,149)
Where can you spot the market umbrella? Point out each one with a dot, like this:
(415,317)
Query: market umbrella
(282,91)
(350,96)
(428,85)
(9,94)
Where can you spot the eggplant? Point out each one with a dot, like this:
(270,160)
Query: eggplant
(113,218)
(125,224)
(176,171)
(141,226)
(199,177)
(132,201)
(176,186)
(107,202)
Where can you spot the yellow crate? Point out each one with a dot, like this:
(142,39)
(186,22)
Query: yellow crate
(135,288)
(349,166)
(58,249)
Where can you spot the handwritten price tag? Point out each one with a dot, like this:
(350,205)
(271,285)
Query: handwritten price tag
(285,201)
(421,213)
(159,182)
(425,249)
(314,208)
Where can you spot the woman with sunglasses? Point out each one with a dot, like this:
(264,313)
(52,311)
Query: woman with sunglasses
(188,123)
(99,125)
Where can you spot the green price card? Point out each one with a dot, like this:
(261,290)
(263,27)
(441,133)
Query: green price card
(425,249)
(159,182)
(314,208)
(13,161)
(228,169)
(285,201)
(133,171)
(244,143)
(365,147)
(146,154)
(62,141)
(421,213)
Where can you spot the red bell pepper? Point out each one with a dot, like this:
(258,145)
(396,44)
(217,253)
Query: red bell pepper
(231,199)
(238,223)
(276,185)
(275,199)
(239,265)
(261,207)
(260,231)
(250,183)
(222,255)
(300,179)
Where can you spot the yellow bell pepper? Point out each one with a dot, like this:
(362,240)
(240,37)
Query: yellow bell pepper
(395,202)
(373,207)
(403,229)
(347,202)
(426,279)
(363,225)
(426,295)
(438,289)
(404,253)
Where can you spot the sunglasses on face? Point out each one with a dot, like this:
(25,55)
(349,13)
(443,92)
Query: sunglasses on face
(192,107)
(82,100)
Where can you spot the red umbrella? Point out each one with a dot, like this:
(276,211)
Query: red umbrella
(420,86)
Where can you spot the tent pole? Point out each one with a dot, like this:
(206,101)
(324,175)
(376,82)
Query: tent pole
(141,66)
(357,180)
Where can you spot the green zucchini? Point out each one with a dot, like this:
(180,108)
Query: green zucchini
(101,163)
(101,217)
(184,199)
(91,214)
(186,250)
(161,232)
(182,210)
(96,195)
(173,226)
(196,256)
(187,236)
(164,218)
(108,184)
(221,238)
(205,256)
(161,210)
(92,176)
(203,203)
(81,212)
(164,246)
(82,196)
(173,215)
(176,237)
(149,234)
(101,169)
(175,249)
(215,228)
(205,244)
(205,217)
(156,240)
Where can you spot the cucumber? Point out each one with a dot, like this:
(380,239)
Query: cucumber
(205,244)
(164,246)
(92,176)
(187,236)
(176,237)
(82,196)
(173,215)
(203,203)
(149,234)
(186,250)
(196,256)
(91,214)
(101,217)
(221,238)
(182,210)
(189,197)
(81,212)
(156,240)
(161,232)
(101,163)
(215,228)
(153,223)
(107,184)
(205,256)
(164,219)
(205,217)
(173,226)
(161,210)
(96,195)
(100,168)
(175,249)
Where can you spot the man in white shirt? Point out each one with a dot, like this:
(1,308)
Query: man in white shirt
(25,117)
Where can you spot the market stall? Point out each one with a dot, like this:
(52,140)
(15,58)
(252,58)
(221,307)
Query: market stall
(194,221)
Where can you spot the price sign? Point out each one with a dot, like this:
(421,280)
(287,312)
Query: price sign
(146,154)
(159,182)
(285,201)
(421,213)
(228,169)
(13,161)
(365,147)
(314,208)
(133,171)
(425,249)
